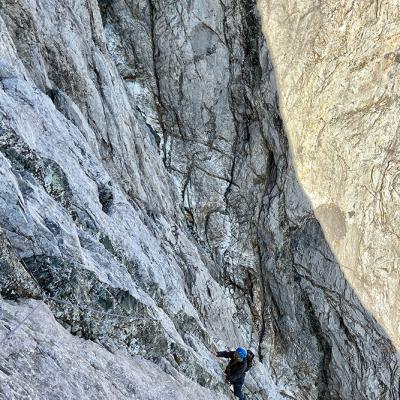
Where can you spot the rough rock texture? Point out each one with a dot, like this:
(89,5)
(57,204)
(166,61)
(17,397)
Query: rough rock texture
(146,178)
(59,360)
(337,65)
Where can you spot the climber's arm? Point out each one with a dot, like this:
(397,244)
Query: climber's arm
(225,354)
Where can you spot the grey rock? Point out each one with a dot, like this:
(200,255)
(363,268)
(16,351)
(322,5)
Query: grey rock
(148,188)
(67,367)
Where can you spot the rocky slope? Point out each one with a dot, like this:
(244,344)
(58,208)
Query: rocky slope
(61,360)
(149,197)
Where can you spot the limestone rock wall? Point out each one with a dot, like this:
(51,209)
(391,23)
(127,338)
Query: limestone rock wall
(146,172)
(337,65)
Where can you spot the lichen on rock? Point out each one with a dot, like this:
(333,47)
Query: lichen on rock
(150,201)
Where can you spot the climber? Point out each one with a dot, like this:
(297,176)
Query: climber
(240,362)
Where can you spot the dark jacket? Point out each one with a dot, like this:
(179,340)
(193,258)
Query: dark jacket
(235,370)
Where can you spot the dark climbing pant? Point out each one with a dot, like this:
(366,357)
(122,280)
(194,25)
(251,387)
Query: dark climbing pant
(238,390)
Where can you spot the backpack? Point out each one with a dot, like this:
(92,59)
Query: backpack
(249,359)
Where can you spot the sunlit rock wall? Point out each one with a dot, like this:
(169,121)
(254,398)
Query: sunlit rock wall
(337,65)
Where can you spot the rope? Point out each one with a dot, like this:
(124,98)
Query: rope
(85,307)
(19,324)
(81,306)
(78,305)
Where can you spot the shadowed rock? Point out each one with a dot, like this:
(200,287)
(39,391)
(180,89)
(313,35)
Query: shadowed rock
(145,172)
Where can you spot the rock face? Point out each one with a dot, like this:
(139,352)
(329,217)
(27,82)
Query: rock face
(149,198)
(61,360)
(337,68)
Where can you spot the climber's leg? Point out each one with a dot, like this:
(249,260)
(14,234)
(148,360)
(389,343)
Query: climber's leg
(238,390)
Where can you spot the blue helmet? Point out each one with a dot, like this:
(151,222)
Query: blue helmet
(241,352)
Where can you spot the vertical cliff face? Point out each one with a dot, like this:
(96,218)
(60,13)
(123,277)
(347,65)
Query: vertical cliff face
(337,67)
(148,194)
